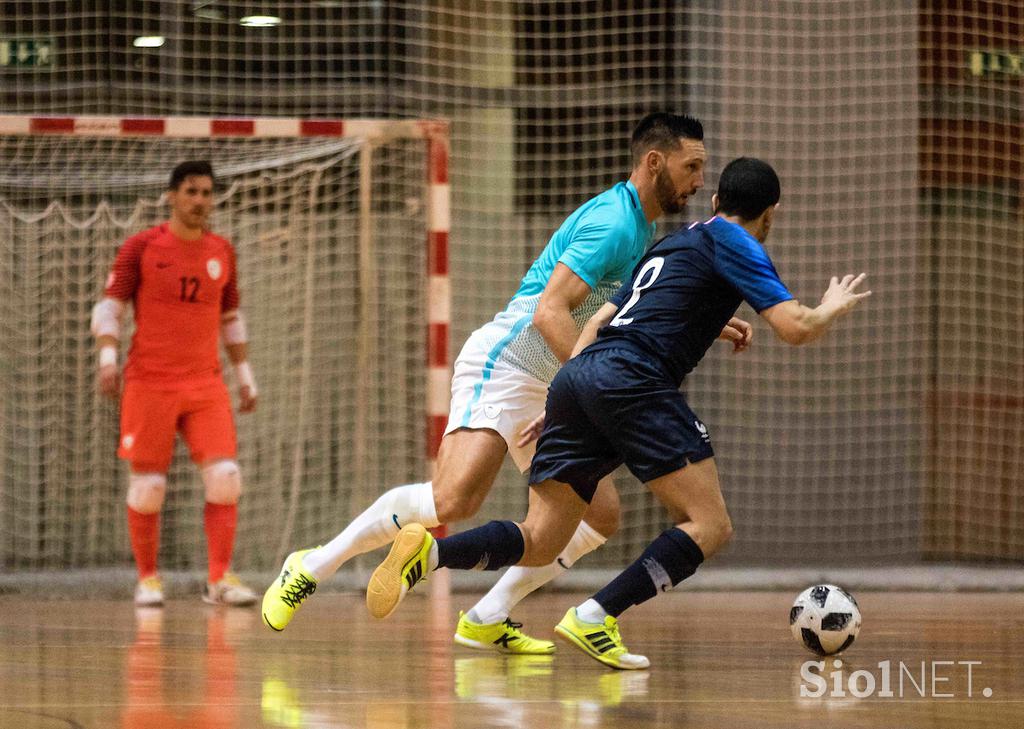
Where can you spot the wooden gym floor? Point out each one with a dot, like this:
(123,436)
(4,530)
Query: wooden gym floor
(719,659)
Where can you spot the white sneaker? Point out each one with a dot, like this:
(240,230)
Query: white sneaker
(149,592)
(229,591)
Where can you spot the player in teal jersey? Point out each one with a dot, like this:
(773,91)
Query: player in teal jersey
(501,379)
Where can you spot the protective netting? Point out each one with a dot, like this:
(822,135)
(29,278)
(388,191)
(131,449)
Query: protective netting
(332,280)
(896,128)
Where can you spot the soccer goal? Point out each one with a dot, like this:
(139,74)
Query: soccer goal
(341,229)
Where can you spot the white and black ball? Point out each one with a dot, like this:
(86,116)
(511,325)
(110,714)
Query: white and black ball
(825,619)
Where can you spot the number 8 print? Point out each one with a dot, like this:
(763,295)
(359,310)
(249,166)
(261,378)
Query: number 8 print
(653,267)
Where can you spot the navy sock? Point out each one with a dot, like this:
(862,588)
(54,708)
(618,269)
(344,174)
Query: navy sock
(666,562)
(492,546)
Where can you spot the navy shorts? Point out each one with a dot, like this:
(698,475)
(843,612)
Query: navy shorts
(610,407)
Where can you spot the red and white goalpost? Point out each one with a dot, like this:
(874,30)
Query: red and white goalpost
(330,218)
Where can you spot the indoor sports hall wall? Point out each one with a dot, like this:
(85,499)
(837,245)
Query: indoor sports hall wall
(896,128)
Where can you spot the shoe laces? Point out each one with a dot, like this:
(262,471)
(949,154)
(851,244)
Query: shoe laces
(613,633)
(300,588)
(512,627)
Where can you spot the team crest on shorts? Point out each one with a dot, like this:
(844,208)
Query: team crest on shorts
(214,268)
(491,412)
(703,430)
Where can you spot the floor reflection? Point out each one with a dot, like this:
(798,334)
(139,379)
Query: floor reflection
(159,695)
(512,687)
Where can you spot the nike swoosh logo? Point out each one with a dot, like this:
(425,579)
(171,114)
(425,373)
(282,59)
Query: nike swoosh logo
(394,518)
(563,564)
(163,265)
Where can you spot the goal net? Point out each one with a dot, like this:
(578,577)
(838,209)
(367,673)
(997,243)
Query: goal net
(896,128)
(332,234)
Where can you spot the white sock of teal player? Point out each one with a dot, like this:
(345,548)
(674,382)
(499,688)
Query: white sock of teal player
(375,527)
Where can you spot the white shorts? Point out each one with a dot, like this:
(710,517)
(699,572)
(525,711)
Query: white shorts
(489,394)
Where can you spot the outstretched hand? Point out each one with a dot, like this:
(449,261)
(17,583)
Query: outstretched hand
(841,294)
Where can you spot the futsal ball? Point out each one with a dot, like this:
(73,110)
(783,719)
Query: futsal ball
(825,619)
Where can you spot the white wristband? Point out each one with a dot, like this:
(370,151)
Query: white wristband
(243,373)
(108,356)
(233,331)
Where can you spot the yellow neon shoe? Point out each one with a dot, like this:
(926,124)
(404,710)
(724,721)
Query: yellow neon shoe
(405,566)
(288,592)
(505,637)
(600,641)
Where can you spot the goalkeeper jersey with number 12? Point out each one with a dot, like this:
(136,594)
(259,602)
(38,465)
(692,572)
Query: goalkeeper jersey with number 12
(179,290)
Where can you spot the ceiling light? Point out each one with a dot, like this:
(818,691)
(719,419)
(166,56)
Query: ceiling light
(260,21)
(204,9)
(148,41)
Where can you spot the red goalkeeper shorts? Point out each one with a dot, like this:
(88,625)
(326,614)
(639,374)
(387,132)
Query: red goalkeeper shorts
(150,418)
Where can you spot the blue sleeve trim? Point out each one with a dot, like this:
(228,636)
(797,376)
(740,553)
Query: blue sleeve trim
(744,263)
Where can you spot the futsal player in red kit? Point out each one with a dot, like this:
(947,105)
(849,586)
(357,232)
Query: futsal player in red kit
(183,284)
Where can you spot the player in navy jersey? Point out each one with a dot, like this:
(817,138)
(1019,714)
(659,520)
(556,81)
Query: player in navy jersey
(618,401)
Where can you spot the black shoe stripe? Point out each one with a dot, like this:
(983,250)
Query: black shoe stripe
(595,636)
(584,645)
(414,575)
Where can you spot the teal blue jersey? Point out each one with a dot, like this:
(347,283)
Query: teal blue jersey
(601,242)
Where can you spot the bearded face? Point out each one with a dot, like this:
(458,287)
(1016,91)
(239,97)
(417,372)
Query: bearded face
(669,197)
(674,175)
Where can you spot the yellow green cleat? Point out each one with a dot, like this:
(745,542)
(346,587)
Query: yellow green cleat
(404,567)
(600,641)
(504,637)
(288,592)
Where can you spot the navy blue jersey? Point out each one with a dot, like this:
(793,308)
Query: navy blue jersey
(685,290)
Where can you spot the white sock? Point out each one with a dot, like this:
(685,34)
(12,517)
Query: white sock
(518,582)
(375,527)
(591,612)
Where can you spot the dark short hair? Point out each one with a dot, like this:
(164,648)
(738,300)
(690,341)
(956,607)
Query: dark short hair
(662,131)
(192,168)
(747,188)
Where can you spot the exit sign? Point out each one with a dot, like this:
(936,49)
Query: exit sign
(983,63)
(27,52)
